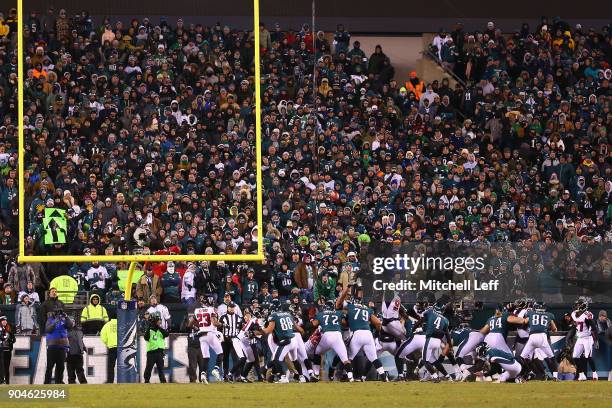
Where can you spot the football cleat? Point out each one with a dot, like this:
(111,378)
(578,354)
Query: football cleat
(282,380)
(302,379)
(385,377)
(313,378)
(582,377)
(204,377)
(595,376)
(245,380)
(519,380)
(215,373)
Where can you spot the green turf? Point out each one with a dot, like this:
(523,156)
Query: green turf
(334,395)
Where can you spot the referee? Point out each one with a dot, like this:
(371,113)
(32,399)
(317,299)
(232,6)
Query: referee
(232,325)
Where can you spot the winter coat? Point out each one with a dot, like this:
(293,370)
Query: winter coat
(25,317)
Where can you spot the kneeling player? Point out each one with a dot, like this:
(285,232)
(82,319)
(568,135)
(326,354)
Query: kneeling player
(511,368)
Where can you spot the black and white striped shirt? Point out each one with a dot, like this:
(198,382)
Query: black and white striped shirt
(232,324)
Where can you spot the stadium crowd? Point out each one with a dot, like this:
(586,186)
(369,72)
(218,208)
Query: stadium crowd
(142,136)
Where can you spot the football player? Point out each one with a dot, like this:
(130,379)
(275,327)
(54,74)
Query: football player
(540,324)
(281,339)
(205,318)
(414,342)
(521,306)
(359,318)
(465,339)
(392,314)
(329,321)
(303,363)
(436,328)
(584,328)
(249,340)
(511,368)
(498,325)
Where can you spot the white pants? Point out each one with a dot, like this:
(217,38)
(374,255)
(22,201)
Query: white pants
(247,347)
(537,341)
(497,341)
(300,347)
(362,339)
(396,329)
(510,370)
(431,349)
(410,346)
(470,344)
(332,340)
(281,351)
(210,340)
(271,344)
(583,345)
(519,346)
(310,348)
(389,346)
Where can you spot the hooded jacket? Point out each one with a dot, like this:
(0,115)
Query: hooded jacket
(25,318)
(93,312)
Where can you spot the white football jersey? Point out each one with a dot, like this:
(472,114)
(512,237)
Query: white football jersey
(582,329)
(204,316)
(392,310)
(520,332)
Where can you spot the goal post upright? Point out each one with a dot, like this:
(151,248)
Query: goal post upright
(22,257)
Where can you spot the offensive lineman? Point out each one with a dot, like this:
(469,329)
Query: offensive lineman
(329,320)
(359,318)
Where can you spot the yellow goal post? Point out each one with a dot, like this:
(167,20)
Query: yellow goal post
(22,257)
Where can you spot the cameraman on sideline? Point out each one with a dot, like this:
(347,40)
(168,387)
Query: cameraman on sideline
(56,328)
(154,335)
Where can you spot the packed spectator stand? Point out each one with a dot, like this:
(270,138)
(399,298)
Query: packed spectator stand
(143,134)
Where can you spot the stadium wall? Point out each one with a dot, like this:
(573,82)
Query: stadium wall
(358,15)
(30,356)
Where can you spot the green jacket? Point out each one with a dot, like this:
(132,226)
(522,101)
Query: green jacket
(155,339)
(327,290)
(108,335)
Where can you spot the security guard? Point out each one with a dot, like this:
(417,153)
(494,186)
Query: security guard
(108,335)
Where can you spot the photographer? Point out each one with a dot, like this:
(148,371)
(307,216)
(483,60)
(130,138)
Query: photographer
(155,335)
(56,328)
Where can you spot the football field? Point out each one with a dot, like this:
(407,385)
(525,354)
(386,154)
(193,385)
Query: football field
(331,395)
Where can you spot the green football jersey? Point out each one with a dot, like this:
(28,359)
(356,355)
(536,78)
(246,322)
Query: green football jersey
(499,324)
(283,325)
(499,356)
(435,324)
(460,335)
(359,317)
(539,321)
(329,320)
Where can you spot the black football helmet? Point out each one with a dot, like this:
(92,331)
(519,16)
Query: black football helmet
(275,305)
